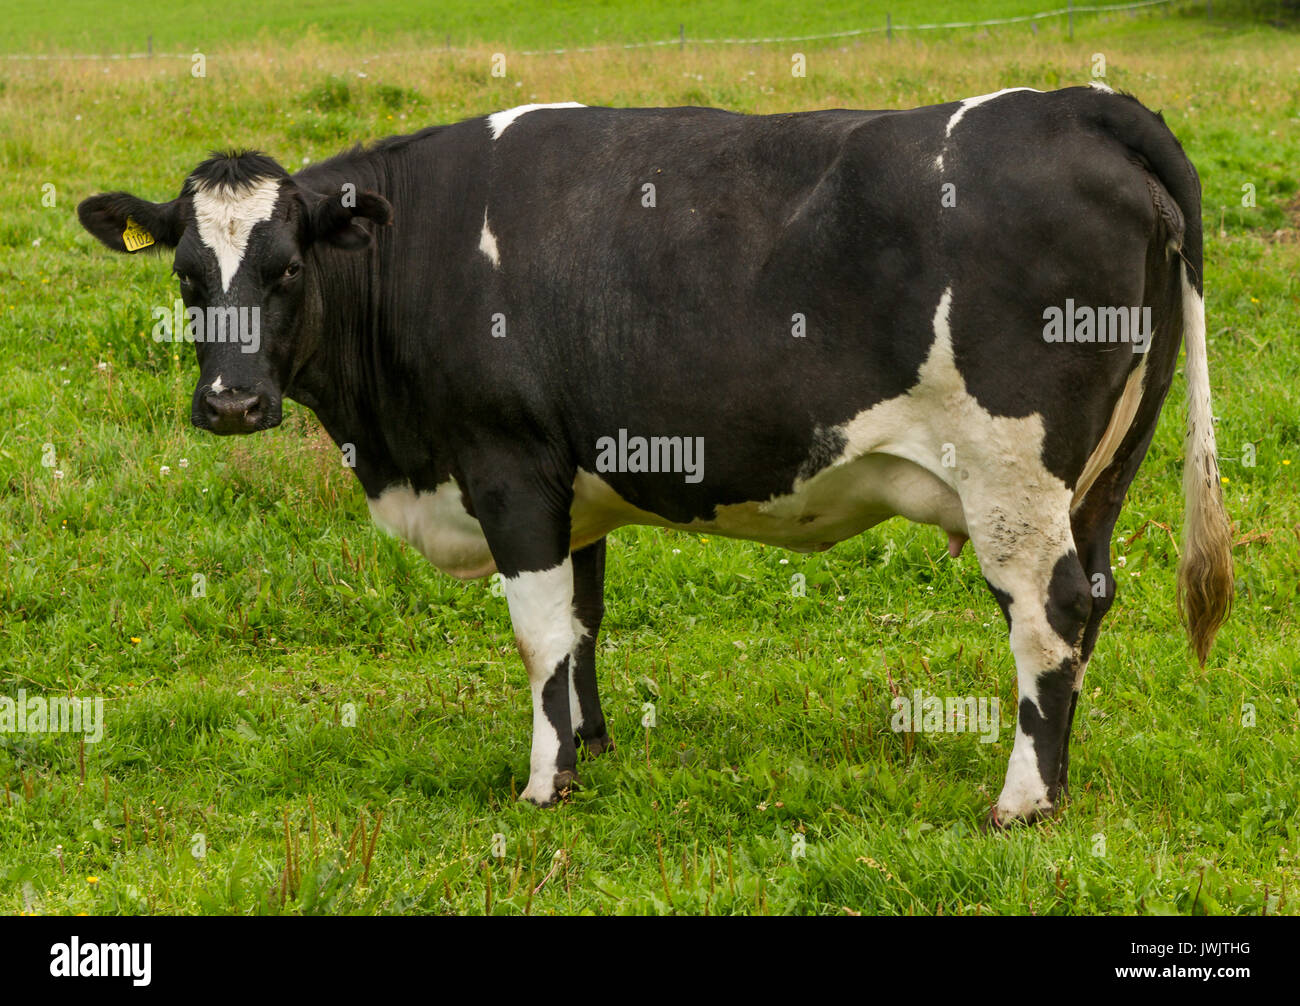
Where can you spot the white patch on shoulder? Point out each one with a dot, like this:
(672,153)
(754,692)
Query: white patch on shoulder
(1102,87)
(966,105)
(499,122)
(226,216)
(970,103)
(438,526)
(487,243)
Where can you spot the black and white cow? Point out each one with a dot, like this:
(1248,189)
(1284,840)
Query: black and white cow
(536,327)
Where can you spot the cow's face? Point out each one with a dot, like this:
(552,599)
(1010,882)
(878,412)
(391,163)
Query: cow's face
(243,233)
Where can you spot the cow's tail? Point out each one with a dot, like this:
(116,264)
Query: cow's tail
(1205,568)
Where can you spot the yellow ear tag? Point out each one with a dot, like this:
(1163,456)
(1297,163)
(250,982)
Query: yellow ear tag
(135,237)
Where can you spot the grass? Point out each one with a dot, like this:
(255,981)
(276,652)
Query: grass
(233,24)
(331,726)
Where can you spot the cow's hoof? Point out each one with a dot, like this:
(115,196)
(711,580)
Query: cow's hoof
(562,784)
(595,746)
(1003,820)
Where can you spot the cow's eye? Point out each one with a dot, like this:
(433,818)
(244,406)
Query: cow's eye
(186,280)
(292,269)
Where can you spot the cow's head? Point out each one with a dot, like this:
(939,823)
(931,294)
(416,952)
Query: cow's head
(243,232)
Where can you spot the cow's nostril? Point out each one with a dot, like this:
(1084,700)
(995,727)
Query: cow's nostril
(232,413)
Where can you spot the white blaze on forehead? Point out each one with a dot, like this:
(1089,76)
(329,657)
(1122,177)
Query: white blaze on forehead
(226,216)
(499,122)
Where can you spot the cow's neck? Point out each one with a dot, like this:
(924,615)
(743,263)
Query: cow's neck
(346,371)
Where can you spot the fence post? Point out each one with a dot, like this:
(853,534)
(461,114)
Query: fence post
(151,47)
(681,32)
(1070,6)
(889,26)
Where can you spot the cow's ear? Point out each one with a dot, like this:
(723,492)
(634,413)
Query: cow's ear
(128,224)
(336,218)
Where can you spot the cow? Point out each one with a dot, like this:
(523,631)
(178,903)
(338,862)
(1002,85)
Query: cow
(537,326)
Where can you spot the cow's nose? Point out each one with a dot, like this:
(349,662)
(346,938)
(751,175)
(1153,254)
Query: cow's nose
(233,411)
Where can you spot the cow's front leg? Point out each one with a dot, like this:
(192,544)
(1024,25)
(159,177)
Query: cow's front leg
(541,609)
(528,533)
(589,727)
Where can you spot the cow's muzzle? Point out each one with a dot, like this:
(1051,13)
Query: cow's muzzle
(230,411)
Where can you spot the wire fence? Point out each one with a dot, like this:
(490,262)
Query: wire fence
(888,28)
(682,40)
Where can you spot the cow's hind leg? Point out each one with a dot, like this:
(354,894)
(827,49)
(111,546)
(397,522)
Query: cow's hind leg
(588,720)
(1093,525)
(1094,557)
(1030,563)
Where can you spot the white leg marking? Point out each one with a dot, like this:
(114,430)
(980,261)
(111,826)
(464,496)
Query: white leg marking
(499,122)
(1037,648)
(217,386)
(541,609)
(487,243)
(226,216)
(1023,792)
(575,707)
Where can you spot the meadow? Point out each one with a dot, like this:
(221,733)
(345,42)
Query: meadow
(304,717)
